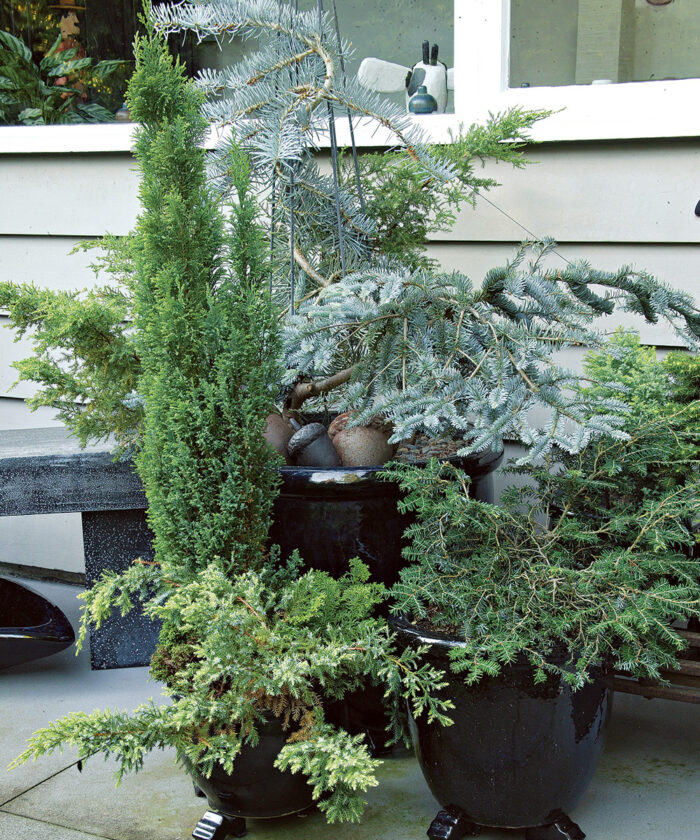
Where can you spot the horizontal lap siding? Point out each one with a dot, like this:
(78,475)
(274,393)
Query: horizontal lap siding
(609,203)
(603,192)
(67,195)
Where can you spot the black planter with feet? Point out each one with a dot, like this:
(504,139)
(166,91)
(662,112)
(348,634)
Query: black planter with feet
(519,755)
(255,789)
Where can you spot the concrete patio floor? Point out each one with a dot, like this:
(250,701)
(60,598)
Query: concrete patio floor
(647,786)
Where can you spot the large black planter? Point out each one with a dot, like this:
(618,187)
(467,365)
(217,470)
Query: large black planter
(332,515)
(30,626)
(255,789)
(519,755)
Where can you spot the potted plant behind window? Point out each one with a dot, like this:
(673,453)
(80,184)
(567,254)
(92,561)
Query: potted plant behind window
(530,605)
(57,90)
(251,650)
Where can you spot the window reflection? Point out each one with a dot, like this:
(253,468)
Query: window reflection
(566,42)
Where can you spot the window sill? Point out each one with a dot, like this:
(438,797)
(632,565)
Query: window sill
(636,110)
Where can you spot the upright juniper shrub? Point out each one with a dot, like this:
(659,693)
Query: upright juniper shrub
(243,638)
(206,334)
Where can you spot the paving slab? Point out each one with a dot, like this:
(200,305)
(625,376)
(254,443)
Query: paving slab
(20,828)
(33,694)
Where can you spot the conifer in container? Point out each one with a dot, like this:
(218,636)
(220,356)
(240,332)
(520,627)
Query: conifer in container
(529,605)
(251,649)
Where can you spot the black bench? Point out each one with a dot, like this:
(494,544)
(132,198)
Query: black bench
(44,471)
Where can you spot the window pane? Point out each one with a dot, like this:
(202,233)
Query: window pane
(390,30)
(394,30)
(95,32)
(79,64)
(566,42)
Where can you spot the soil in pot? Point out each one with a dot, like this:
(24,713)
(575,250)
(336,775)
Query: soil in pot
(519,755)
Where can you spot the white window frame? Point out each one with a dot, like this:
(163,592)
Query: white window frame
(628,110)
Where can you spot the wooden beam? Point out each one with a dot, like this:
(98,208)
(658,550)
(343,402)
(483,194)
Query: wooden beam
(663,692)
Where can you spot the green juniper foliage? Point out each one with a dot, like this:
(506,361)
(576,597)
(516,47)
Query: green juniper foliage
(537,575)
(242,639)
(405,207)
(84,355)
(206,335)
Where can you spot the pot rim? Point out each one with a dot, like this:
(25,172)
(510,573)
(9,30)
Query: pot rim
(480,464)
(403,627)
(443,643)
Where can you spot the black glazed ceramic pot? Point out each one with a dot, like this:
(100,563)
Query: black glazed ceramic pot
(332,515)
(519,755)
(30,626)
(256,788)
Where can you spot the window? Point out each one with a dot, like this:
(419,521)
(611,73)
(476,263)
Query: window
(645,66)
(642,54)
(581,42)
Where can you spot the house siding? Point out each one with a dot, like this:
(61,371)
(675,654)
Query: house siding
(608,203)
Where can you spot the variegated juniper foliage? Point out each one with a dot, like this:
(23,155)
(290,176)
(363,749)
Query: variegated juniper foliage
(432,353)
(243,648)
(539,576)
(241,639)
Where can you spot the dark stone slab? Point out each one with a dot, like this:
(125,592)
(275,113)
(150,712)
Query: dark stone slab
(113,540)
(46,471)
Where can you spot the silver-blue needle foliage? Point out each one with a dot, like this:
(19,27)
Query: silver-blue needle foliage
(443,354)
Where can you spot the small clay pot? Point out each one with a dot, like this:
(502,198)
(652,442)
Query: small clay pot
(338,424)
(278,433)
(363,446)
(311,447)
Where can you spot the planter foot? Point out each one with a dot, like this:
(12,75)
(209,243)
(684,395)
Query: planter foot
(452,824)
(563,828)
(198,791)
(215,826)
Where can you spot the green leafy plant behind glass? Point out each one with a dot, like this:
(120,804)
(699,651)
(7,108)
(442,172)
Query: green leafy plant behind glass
(57,90)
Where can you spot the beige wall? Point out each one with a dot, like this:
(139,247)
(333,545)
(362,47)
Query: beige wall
(609,203)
